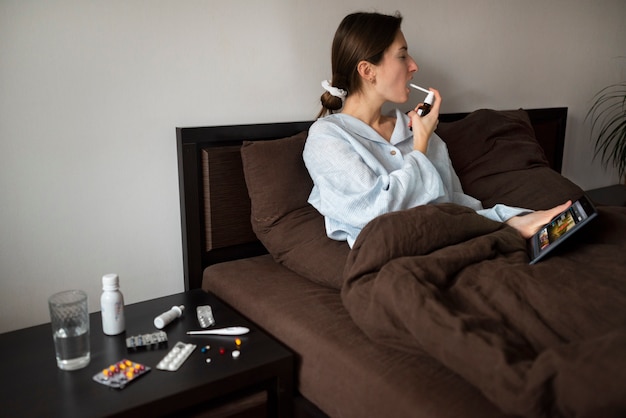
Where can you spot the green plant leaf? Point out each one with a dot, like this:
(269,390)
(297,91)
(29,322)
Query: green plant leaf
(608,126)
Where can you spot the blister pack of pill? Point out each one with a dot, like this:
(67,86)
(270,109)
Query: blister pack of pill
(176,357)
(146,340)
(119,374)
(205,316)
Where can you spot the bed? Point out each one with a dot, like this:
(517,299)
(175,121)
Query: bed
(435,312)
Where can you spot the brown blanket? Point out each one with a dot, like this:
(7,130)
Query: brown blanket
(542,340)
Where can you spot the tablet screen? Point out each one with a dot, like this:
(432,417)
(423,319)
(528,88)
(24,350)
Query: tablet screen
(565,224)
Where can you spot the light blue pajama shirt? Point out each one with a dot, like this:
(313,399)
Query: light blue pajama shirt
(358,175)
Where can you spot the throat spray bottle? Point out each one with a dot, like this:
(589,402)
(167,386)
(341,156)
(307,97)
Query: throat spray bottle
(428,101)
(112,305)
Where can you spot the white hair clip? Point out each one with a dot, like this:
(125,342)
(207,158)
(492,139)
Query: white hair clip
(334,90)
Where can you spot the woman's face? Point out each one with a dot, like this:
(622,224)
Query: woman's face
(395,71)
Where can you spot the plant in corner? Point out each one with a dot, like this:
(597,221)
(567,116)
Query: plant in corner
(608,126)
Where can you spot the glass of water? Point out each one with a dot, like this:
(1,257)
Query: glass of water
(70,328)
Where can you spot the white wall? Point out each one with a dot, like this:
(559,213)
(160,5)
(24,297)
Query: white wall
(91,91)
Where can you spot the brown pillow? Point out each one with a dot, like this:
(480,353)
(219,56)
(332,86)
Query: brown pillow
(488,142)
(288,226)
(498,160)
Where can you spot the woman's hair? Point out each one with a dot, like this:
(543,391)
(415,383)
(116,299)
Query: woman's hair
(359,37)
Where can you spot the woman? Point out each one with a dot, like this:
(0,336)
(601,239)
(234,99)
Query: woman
(364,163)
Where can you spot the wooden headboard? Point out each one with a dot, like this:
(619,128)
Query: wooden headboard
(215,207)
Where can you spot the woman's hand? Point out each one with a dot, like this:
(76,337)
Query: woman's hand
(424,126)
(528,225)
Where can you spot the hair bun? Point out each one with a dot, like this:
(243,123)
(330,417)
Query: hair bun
(331,102)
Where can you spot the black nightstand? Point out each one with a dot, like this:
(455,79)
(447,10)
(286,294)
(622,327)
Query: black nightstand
(614,195)
(258,383)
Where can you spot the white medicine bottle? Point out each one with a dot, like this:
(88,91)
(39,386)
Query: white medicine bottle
(112,305)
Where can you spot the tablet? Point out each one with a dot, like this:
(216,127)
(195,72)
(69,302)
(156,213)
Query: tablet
(579,214)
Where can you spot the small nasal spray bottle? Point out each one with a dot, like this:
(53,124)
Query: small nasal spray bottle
(428,101)
(167,317)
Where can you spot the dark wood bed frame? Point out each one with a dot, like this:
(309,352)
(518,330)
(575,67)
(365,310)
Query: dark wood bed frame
(549,125)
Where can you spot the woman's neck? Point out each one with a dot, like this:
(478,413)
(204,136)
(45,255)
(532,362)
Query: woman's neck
(361,108)
(370,113)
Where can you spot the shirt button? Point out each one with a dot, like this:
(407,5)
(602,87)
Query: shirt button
(393,152)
